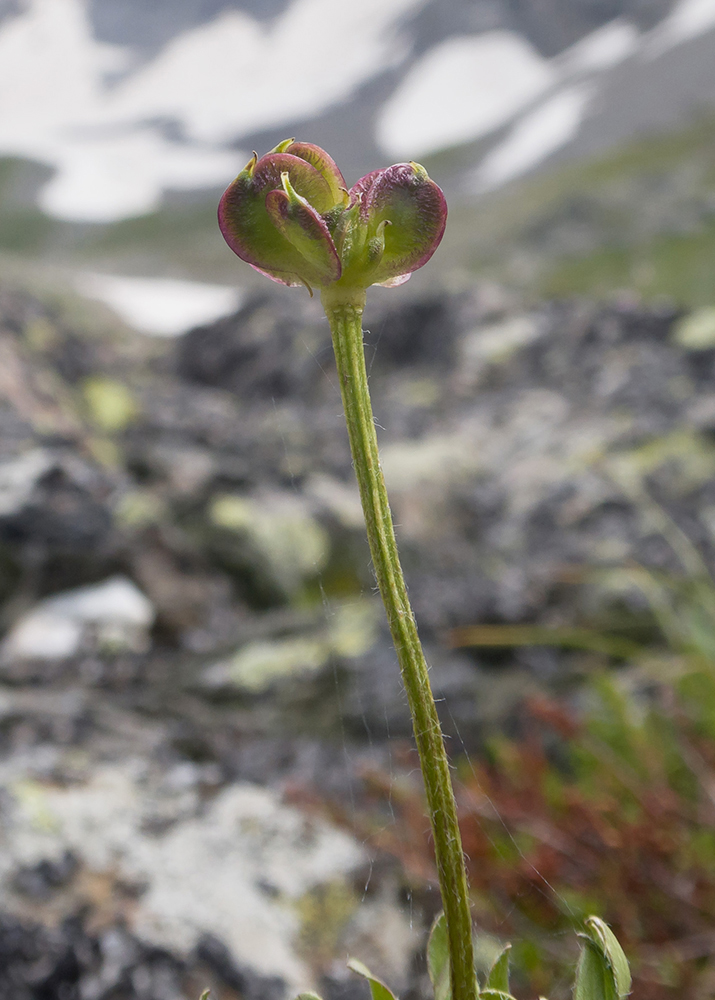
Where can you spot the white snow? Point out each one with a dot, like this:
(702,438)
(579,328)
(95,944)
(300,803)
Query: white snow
(113,177)
(460,90)
(687,20)
(217,82)
(535,137)
(164,307)
(603,48)
(244,75)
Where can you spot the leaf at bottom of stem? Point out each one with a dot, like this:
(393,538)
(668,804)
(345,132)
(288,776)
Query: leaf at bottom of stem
(378,989)
(438,959)
(498,978)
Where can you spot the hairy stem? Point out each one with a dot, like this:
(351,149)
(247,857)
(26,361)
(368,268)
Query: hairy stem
(344,311)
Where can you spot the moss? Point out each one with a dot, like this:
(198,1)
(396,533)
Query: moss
(323,913)
(691,455)
(110,404)
(696,332)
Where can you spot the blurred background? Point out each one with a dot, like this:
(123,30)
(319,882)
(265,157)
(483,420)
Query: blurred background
(207,776)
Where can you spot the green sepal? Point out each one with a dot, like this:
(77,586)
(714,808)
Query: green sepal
(376,245)
(281,148)
(403,196)
(350,235)
(205,995)
(498,978)
(325,165)
(602,972)
(378,989)
(438,959)
(251,232)
(495,995)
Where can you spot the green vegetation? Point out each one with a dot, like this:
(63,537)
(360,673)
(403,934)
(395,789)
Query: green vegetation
(179,237)
(641,217)
(24,229)
(681,267)
(604,802)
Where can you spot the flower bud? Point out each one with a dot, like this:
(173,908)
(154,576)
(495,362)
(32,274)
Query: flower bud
(289,215)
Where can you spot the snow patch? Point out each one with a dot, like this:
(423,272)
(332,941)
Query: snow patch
(534,138)
(687,20)
(460,90)
(235,74)
(120,176)
(603,48)
(163,307)
(109,143)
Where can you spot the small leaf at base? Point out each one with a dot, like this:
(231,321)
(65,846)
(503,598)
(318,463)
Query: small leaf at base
(438,959)
(498,978)
(601,934)
(377,987)
(594,978)
(602,972)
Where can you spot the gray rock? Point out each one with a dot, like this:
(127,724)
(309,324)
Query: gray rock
(109,617)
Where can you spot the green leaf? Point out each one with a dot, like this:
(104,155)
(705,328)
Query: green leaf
(613,952)
(205,995)
(594,978)
(498,978)
(438,959)
(377,987)
(602,972)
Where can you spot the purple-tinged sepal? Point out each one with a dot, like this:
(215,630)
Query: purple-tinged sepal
(415,208)
(274,241)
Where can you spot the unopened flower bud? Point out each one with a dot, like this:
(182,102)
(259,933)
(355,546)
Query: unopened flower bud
(290,216)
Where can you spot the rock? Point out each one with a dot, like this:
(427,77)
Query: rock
(109,617)
(696,332)
(270,540)
(265,351)
(40,880)
(350,631)
(19,477)
(269,855)
(71,960)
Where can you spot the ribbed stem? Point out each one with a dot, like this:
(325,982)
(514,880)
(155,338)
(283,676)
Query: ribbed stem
(344,311)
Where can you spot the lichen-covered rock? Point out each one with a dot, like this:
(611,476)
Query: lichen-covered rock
(269,856)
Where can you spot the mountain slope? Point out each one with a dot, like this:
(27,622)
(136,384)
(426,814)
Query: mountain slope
(641,216)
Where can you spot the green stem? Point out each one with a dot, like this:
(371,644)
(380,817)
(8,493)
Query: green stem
(344,308)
